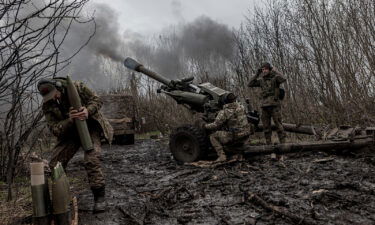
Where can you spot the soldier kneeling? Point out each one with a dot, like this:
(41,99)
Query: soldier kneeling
(230,127)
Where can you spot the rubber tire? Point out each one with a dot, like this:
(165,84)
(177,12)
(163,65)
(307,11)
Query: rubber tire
(126,139)
(190,137)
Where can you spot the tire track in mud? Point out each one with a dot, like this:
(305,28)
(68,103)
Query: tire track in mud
(146,186)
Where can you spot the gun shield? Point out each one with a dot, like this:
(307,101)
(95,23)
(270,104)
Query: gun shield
(75,102)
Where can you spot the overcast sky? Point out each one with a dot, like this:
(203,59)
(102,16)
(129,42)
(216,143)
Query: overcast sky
(148,17)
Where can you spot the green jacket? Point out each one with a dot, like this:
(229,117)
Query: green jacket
(269,84)
(57,113)
(231,117)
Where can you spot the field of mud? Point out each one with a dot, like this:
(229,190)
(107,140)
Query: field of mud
(146,186)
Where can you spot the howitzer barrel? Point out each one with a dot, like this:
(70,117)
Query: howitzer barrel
(134,65)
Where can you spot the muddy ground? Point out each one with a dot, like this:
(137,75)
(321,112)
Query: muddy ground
(146,186)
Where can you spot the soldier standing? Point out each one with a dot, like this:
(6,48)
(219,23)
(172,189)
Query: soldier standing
(269,81)
(230,126)
(60,120)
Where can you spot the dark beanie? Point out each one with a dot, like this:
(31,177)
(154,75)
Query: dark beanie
(266,65)
(230,98)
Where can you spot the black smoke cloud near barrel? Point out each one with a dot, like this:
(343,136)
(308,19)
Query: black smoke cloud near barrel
(168,52)
(99,38)
(202,40)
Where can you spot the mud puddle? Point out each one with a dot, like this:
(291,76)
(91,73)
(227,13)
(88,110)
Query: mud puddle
(146,186)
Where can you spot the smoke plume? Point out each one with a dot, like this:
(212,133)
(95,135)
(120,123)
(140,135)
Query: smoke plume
(200,40)
(107,41)
(204,37)
(104,42)
(168,54)
(177,9)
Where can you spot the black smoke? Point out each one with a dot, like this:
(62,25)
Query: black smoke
(168,53)
(100,40)
(204,37)
(201,40)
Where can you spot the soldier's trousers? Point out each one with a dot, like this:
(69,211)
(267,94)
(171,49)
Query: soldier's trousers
(273,112)
(66,149)
(220,138)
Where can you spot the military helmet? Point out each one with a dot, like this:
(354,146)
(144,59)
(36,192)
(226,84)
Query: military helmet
(48,88)
(230,97)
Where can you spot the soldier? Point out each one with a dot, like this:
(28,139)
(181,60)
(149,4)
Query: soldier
(230,126)
(60,120)
(269,81)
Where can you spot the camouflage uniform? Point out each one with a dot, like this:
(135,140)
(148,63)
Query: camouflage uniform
(57,117)
(271,104)
(231,125)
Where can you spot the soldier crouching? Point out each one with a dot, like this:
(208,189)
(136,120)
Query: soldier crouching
(230,127)
(60,117)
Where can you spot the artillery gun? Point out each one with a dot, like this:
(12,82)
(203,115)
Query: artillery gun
(190,143)
(187,143)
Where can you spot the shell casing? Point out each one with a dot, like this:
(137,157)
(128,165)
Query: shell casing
(81,125)
(60,190)
(40,194)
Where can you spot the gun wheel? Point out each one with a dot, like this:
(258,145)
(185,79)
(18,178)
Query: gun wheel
(188,143)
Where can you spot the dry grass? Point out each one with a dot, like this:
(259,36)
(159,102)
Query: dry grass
(18,208)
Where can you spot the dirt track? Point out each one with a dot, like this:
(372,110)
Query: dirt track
(146,186)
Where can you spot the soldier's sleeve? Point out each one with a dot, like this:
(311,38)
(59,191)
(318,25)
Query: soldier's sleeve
(219,121)
(57,127)
(93,103)
(279,77)
(254,82)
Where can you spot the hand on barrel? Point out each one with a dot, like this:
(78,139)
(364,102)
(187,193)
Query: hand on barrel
(81,114)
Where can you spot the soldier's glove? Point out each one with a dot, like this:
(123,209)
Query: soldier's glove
(259,71)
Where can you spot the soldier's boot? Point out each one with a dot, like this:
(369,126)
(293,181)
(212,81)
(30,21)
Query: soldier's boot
(221,155)
(100,204)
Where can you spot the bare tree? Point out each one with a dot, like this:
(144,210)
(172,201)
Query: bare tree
(31,34)
(325,48)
